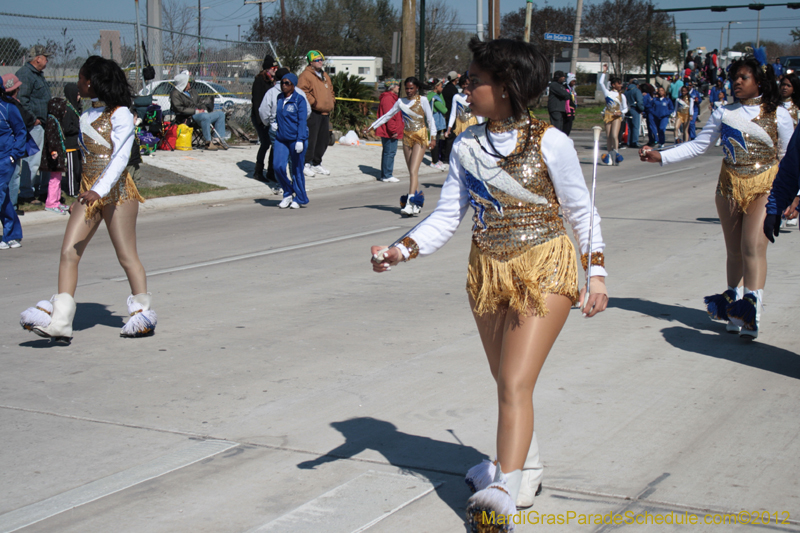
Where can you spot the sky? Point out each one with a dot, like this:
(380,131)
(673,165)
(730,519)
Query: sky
(223,16)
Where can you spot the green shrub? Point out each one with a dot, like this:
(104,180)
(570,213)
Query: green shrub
(351,115)
(585,90)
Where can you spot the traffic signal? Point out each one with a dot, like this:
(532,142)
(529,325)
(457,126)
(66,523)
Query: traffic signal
(684,40)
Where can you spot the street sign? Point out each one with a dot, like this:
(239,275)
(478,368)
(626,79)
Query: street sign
(558,37)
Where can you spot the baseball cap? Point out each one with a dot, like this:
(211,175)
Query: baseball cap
(39,50)
(10,82)
(452,75)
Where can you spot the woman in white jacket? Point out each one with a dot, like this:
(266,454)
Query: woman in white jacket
(613,115)
(108,194)
(516,172)
(416,139)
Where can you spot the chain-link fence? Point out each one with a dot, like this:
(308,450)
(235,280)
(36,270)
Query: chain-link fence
(220,68)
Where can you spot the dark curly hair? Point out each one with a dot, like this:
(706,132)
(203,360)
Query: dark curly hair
(108,81)
(795,81)
(765,79)
(520,66)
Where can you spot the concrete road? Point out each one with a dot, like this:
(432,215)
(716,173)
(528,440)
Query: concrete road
(288,388)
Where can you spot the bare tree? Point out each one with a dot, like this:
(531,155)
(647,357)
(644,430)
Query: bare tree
(621,28)
(178,17)
(445,43)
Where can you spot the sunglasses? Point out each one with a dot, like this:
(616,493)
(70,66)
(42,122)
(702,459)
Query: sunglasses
(286,82)
(318,61)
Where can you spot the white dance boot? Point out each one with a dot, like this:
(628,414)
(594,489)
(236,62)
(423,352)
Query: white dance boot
(60,326)
(493,509)
(143,320)
(532,474)
(746,313)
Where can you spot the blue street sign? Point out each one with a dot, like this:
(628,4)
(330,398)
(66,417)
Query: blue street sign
(558,37)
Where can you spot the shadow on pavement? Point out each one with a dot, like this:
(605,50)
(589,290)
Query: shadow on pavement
(421,456)
(722,345)
(247,167)
(732,348)
(389,208)
(267,202)
(370,171)
(88,315)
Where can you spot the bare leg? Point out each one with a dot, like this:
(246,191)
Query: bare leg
(754,244)
(516,348)
(408,152)
(609,136)
(417,153)
(679,133)
(614,139)
(76,237)
(730,219)
(121,223)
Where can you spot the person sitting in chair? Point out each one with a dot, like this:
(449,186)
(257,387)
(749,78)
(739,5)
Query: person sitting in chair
(186,101)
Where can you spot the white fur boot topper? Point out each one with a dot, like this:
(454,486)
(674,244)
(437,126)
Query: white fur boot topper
(143,320)
(481,475)
(60,324)
(37,316)
(493,509)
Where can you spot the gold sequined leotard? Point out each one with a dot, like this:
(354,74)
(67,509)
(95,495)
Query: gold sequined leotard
(615,106)
(96,159)
(683,110)
(751,154)
(464,119)
(415,131)
(520,249)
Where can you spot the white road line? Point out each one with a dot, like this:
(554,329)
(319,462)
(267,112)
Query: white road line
(95,490)
(652,176)
(354,506)
(262,253)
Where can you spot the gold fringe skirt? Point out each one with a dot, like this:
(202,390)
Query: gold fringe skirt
(410,138)
(461,126)
(609,117)
(744,189)
(522,283)
(122,191)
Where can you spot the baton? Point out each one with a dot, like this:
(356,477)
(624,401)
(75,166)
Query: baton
(596,133)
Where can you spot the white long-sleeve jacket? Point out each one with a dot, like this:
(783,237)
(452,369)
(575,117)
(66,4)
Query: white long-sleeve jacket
(122,132)
(404,105)
(613,95)
(711,132)
(564,168)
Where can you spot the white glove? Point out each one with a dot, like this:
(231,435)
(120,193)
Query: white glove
(298,147)
(274,126)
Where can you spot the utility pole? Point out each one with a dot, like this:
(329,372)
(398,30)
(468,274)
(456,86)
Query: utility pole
(139,60)
(494,19)
(480,19)
(199,35)
(573,63)
(260,31)
(409,39)
(528,10)
(422,41)
(155,50)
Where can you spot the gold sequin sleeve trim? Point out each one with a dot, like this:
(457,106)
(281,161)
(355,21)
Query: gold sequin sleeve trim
(598,259)
(412,247)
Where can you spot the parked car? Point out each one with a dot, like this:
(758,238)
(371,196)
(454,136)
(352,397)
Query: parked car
(789,63)
(223,98)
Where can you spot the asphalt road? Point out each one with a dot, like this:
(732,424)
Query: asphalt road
(289,388)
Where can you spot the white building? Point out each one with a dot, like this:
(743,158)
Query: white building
(368,67)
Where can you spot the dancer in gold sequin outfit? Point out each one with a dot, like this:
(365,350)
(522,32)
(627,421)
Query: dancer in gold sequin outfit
(755,133)
(613,115)
(517,173)
(108,194)
(417,138)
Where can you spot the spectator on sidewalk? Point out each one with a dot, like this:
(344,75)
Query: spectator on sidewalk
(262,83)
(572,103)
(390,132)
(557,100)
(71,183)
(318,88)
(12,148)
(291,141)
(185,101)
(777,67)
(11,84)
(449,90)
(55,152)
(34,95)
(675,90)
(439,109)
(635,109)
(267,113)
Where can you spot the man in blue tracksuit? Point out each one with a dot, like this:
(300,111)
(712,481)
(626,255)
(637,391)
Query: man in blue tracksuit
(635,109)
(785,188)
(291,141)
(694,94)
(662,109)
